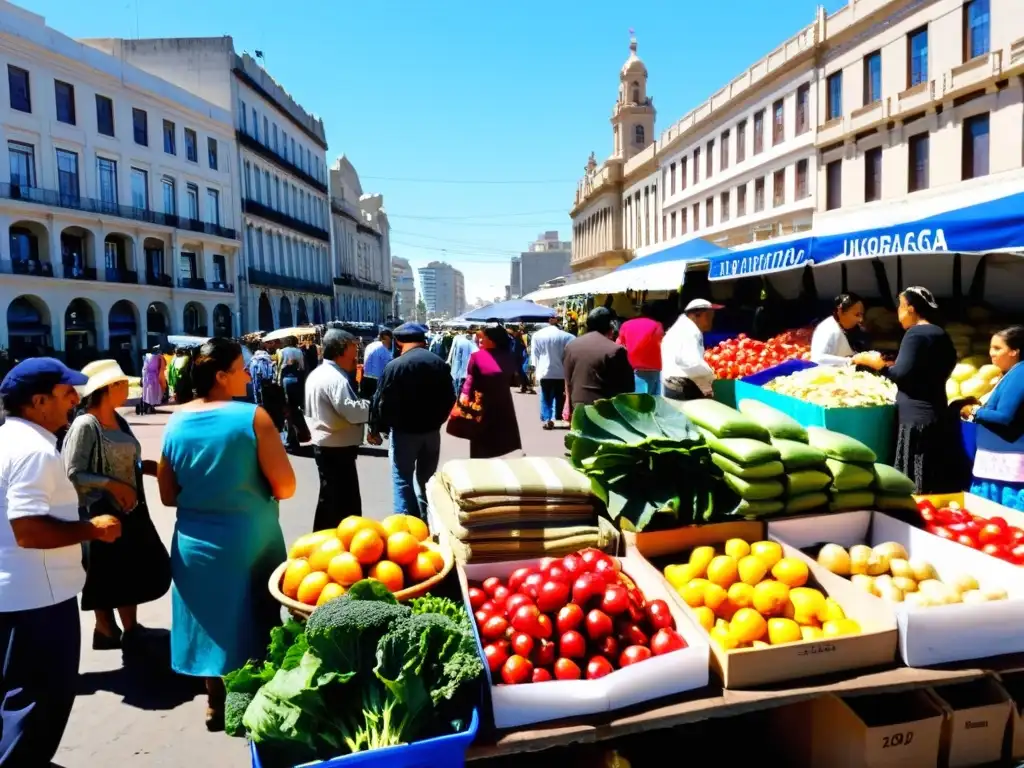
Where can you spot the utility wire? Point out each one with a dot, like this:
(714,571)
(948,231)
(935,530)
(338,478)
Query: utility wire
(470,243)
(476,216)
(470,181)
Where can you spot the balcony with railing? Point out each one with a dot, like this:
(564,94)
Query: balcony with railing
(118,275)
(159,279)
(54,199)
(282,162)
(192,283)
(31,267)
(272,280)
(266,212)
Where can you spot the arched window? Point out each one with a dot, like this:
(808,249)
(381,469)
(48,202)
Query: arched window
(638,133)
(636,92)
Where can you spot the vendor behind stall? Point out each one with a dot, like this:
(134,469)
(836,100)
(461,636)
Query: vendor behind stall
(830,344)
(684,370)
(999,463)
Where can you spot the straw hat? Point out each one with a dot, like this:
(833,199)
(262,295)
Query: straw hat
(101,373)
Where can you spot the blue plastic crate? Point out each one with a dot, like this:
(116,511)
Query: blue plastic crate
(448,751)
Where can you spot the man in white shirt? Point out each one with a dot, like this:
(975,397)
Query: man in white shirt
(546,353)
(41,573)
(336,416)
(682,352)
(378,354)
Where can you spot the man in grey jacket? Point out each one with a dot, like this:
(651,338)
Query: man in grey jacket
(336,418)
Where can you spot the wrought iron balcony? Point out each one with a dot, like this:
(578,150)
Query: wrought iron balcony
(264,151)
(32,267)
(271,280)
(268,213)
(193,283)
(118,275)
(164,281)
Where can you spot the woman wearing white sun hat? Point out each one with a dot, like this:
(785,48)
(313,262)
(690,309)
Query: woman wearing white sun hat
(104,462)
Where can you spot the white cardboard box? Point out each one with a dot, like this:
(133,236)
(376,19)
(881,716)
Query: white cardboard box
(683,670)
(935,634)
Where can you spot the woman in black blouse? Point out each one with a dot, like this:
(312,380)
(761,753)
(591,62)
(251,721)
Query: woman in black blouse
(928,442)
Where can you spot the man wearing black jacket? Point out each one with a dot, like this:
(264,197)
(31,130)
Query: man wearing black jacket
(413,400)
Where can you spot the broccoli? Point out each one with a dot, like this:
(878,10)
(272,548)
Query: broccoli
(344,633)
(235,705)
(442,605)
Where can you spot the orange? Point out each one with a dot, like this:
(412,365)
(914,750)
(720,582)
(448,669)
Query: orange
(771,598)
(344,569)
(769,551)
(402,547)
(747,625)
(417,527)
(311,587)
(296,571)
(714,596)
(389,574)
(322,555)
(421,569)
(693,592)
(395,524)
(741,595)
(791,572)
(304,545)
(722,571)
(435,557)
(330,591)
(349,527)
(367,545)
(783,631)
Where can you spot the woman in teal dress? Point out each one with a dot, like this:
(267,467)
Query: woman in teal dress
(224,467)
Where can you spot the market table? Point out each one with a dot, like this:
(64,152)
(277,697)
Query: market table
(714,702)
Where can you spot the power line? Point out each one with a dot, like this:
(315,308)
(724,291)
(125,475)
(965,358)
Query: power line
(470,181)
(476,216)
(495,259)
(505,224)
(469,243)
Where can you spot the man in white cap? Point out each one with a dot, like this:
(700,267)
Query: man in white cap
(684,370)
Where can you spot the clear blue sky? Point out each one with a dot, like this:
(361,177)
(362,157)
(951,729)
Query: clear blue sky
(423,94)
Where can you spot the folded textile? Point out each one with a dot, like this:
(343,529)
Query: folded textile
(531,477)
(603,536)
(490,502)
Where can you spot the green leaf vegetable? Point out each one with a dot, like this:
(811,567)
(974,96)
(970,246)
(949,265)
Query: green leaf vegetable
(647,462)
(365,673)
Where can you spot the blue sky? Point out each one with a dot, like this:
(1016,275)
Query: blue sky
(473,119)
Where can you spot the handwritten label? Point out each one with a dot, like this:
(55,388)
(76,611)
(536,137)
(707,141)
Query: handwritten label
(979,724)
(897,740)
(813,650)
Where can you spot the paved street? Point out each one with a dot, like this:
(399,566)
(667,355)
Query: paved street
(122,720)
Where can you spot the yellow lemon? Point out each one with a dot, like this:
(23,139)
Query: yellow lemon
(705,617)
(693,592)
(791,572)
(714,596)
(833,610)
(722,571)
(811,633)
(737,548)
(783,631)
(751,569)
(840,627)
(808,605)
(304,545)
(699,559)
(771,598)
(747,625)
(721,624)
(723,638)
(741,595)
(678,575)
(769,551)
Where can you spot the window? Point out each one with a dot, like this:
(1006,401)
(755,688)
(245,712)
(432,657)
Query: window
(682,172)
(976,28)
(220,271)
(213,206)
(257,190)
(834,96)
(104,115)
(834,185)
(638,133)
(211,151)
(741,141)
(974,156)
(17,82)
(140,189)
(758,132)
(169,195)
(803,108)
(672,219)
(872,78)
(779,188)
(23,164)
(169,147)
(255,125)
(65,95)
(710,159)
(724,206)
(672,179)
(778,122)
(917,57)
(709,212)
(917,172)
(140,127)
(242,117)
(801,179)
(696,216)
(67,175)
(696,165)
(682,220)
(266,131)
(282,204)
(191,146)
(106,170)
(192,199)
(284,143)
(873,175)
(759,194)
(275,139)
(187,265)
(293,150)
(741,200)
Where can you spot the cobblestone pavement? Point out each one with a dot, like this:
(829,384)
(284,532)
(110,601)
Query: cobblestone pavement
(133,720)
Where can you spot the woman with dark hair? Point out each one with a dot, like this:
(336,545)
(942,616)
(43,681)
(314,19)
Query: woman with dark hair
(486,397)
(104,463)
(224,467)
(999,462)
(830,344)
(928,430)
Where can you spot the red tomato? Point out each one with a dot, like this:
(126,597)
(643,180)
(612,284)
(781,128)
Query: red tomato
(477,597)
(665,641)
(544,626)
(991,533)
(491,584)
(526,619)
(1017,555)
(552,596)
(544,653)
(547,562)
(967,540)
(557,573)
(573,565)
(489,607)
(496,655)
(608,646)
(998,521)
(572,645)
(605,568)
(633,654)
(501,594)
(494,628)
(481,617)
(631,634)
(515,581)
(540,675)
(944,533)
(586,587)
(659,615)
(598,667)
(996,550)
(615,600)
(569,617)
(516,670)
(515,602)
(567,669)
(590,556)
(599,624)
(1015,535)
(522,644)
(532,584)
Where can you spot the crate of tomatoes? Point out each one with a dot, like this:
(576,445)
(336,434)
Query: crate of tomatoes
(743,356)
(577,635)
(975,522)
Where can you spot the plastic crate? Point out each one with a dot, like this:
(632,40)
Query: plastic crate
(448,751)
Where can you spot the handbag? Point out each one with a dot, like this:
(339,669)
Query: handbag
(466,418)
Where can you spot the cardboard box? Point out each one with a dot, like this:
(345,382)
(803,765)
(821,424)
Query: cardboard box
(683,670)
(977,716)
(976,505)
(1013,684)
(935,634)
(892,729)
(749,667)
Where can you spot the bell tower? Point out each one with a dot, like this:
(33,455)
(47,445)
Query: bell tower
(633,115)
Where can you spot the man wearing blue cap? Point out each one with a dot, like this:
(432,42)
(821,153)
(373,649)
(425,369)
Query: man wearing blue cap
(41,572)
(413,400)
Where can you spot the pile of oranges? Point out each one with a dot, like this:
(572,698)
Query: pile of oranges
(396,551)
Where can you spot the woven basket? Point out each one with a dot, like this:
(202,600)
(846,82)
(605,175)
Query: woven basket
(302,611)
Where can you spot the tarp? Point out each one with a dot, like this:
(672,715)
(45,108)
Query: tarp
(516,310)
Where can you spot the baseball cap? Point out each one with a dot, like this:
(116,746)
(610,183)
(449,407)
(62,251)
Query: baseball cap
(28,372)
(411,332)
(700,305)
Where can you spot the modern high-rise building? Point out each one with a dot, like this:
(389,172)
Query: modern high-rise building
(546,258)
(404,283)
(443,289)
